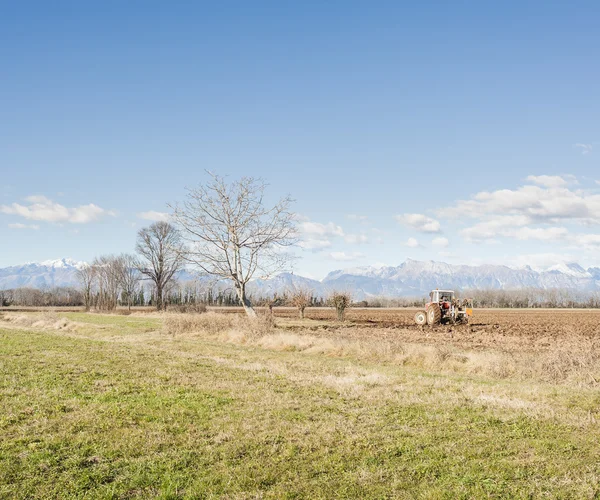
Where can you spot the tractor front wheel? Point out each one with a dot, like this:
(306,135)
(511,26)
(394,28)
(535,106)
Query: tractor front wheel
(421,318)
(434,314)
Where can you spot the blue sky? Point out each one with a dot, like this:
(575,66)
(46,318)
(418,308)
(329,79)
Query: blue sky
(375,116)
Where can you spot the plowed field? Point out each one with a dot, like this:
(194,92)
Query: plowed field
(505,329)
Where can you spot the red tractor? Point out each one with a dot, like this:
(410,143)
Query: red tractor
(444,308)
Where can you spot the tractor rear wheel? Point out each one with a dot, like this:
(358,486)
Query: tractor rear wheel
(421,318)
(434,314)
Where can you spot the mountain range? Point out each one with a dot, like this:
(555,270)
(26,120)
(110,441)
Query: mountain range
(412,278)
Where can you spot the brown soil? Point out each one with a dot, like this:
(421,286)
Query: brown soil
(502,329)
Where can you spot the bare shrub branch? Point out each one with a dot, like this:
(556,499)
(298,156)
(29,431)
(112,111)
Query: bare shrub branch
(301,298)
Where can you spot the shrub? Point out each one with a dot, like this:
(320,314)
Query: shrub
(301,299)
(340,301)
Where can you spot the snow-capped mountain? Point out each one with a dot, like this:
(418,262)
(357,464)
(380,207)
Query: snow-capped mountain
(414,278)
(60,272)
(411,278)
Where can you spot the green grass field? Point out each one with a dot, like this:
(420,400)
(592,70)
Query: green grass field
(117,409)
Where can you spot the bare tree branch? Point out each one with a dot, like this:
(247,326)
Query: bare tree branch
(232,235)
(161,251)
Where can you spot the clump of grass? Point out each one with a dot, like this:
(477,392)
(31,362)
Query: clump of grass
(566,365)
(45,321)
(210,323)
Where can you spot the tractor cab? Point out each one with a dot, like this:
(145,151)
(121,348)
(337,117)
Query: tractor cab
(441,295)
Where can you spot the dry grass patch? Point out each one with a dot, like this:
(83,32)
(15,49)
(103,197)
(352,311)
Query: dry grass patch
(224,326)
(44,321)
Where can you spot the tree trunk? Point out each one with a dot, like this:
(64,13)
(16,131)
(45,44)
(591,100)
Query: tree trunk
(159,299)
(241,291)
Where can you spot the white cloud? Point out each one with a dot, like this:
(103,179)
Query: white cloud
(539,233)
(317,236)
(549,181)
(536,203)
(532,212)
(18,225)
(420,222)
(586,241)
(154,216)
(345,257)
(511,227)
(584,148)
(440,242)
(317,229)
(356,238)
(314,244)
(41,208)
(488,229)
(412,243)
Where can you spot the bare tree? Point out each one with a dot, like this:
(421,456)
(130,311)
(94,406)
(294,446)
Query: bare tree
(232,235)
(301,298)
(86,275)
(128,276)
(274,301)
(107,272)
(161,249)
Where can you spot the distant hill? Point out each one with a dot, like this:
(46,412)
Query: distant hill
(409,279)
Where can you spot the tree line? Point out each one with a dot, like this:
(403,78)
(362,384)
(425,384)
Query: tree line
(198,293)
(518,299)
(144,295)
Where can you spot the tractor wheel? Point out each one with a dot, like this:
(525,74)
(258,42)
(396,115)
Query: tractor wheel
(421,318)
(434,314)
